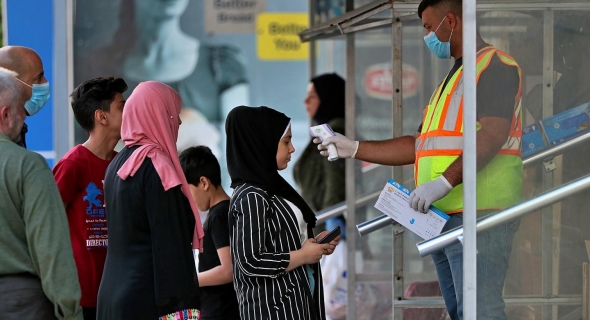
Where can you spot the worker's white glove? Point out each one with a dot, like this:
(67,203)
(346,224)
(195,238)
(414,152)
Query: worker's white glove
(346,148)
(428,193)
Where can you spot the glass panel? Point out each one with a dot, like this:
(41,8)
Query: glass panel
(331,57)
(373,121)
(422,73)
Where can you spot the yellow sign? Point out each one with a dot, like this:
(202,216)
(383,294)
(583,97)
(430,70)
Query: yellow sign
(278,36)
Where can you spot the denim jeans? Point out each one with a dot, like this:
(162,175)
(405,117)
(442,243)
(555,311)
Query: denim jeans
(493,252)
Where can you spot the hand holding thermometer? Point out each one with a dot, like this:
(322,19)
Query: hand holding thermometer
(323,132)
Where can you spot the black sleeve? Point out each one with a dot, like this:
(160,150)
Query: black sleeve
(250,214)
(171,222)
(219,226)
(497,90)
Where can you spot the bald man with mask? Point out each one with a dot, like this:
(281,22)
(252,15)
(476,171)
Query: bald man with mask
(28,66)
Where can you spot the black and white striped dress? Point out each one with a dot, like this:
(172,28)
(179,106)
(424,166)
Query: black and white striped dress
(264,230)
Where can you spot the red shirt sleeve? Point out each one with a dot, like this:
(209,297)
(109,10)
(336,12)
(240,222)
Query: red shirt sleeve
(65,176)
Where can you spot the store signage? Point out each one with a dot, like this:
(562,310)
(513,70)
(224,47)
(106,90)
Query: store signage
(277,36)
(378,81)
(232,16)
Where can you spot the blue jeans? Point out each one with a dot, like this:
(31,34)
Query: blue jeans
(493,252)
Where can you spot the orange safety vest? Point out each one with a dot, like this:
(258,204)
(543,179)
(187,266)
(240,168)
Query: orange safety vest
(440,143)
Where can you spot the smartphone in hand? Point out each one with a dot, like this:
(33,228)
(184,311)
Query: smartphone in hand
(331,236)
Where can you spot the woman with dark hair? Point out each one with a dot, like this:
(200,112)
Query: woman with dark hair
(320,181)
(153,221)
(276,269)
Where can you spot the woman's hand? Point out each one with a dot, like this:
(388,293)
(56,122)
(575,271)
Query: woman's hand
(313,251)
(332,245)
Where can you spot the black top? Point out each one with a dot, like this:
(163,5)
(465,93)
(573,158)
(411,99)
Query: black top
(22,141)
(264,232)
(253,136)
(150,269)
(496,89)
(219,302)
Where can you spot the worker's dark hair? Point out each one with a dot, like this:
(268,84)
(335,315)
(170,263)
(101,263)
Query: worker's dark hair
(453,6)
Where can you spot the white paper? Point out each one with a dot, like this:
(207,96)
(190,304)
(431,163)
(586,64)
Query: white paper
(393,201)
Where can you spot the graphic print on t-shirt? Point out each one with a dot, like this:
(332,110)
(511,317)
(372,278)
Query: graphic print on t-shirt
(92,192)
(96,223)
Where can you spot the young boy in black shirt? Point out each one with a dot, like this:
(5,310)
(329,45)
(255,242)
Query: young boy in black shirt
(202,171)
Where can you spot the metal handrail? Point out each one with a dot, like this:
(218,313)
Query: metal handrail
(451,237)
(383,221)
(373,225)
(330,212)
(557,150)
(340,208)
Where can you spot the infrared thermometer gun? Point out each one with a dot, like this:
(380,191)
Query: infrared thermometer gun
(324,132)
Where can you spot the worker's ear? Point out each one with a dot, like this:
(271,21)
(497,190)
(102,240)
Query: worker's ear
(452,21)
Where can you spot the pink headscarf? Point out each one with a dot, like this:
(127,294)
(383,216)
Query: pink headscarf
(150,120)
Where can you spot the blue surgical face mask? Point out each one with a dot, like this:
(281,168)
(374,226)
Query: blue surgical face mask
(39,97)
(441,50)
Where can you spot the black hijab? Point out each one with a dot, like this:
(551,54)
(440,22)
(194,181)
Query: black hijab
(253,136)
(331,91)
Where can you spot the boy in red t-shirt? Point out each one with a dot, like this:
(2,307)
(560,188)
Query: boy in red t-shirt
(98,108)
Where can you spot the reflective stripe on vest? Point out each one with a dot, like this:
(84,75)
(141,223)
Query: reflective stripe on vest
(440,143)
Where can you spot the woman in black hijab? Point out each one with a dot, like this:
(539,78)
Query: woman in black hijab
(276,269)
(320,181)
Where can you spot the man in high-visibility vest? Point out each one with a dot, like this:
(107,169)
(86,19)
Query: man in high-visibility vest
(436,152)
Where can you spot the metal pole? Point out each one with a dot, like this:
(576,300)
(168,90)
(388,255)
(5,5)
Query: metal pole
(374,224)
(63,75)
(547,179)
(350,125)
(557,150)
(4,23)
(312,44)
(469,161)
(397,126)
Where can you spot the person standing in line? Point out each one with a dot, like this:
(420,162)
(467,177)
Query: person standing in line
(30,74)
(154,224)
(38,277)
(436,151)
(98,108)
(203,174)
(321,181)
(275,254)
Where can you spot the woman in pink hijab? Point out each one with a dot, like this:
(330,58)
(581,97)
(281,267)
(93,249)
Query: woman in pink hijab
(153,221)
